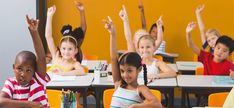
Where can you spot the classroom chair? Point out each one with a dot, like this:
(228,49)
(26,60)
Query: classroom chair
(217,99)
(195,57)
(86,69)
(90,57)
(54,98)
(158,57)
(199,71)
(107,96)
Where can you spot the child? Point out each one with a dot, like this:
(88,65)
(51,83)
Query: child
(156,69)
(132,45)
(208,37)
(229,102)
(217,63)
(28,87)
(77,33)
(63,59)
(125,74)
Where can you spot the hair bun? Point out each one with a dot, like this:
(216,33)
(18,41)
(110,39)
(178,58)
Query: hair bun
(66,30)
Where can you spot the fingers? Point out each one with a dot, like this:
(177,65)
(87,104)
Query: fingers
(54,8)
(27,19)
(107,24)
(123,8)
(110,20)
(159,21)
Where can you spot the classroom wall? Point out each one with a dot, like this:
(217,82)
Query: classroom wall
(176,15)
(15,36)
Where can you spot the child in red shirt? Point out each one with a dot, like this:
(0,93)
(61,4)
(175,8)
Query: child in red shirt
(217,63)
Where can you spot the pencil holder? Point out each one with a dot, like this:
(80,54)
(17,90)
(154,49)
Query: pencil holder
(100,76)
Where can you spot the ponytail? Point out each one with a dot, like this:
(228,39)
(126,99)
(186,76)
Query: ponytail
(145,74)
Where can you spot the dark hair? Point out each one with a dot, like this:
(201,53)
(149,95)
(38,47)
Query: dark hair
(132,59)
(67,30)
(27,55)
(155,25)
(227,41)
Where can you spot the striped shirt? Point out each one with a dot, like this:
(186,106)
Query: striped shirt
(35,92)
(161,48)
(122,98)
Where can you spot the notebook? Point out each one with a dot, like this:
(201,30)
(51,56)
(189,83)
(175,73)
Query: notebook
(55,77)
(222,80)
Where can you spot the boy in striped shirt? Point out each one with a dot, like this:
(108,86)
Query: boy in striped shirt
(28,88)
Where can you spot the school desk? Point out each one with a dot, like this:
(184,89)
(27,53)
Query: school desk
(202,84)
(188,67)
(92,64)
(169,57)
(81,83)
(164,85)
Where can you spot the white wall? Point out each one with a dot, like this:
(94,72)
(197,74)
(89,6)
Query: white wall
(14,34)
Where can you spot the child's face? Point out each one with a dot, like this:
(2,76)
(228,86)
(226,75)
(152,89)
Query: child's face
(24,71)
(221,52)
(154,32)
(146,48)
(68,50)
(129,73)
(212,40)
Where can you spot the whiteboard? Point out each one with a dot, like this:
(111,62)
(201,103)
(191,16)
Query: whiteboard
(15,36)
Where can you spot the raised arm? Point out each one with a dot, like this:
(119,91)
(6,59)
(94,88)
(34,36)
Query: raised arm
(190,42)
(48,31)
(143,20)
(38,46)
(113,50)
(80,7)
(127,31)
(160,33)
(201,23)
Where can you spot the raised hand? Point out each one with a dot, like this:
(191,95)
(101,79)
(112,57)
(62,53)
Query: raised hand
(123,13)
(110,26)
(51,10)
(200,8)
(141,6)
(190,27)
(32,24)
(79,5)
(159,22)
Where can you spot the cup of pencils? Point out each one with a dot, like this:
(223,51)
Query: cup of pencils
(68,99)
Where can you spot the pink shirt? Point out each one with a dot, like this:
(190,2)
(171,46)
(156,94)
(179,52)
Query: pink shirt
(35,92)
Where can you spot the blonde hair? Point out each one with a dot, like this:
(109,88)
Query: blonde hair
(146,37)
(212,32)
(138,34)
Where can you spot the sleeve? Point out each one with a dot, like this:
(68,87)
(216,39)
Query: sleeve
(42,80)
(203,55)
(8,88)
